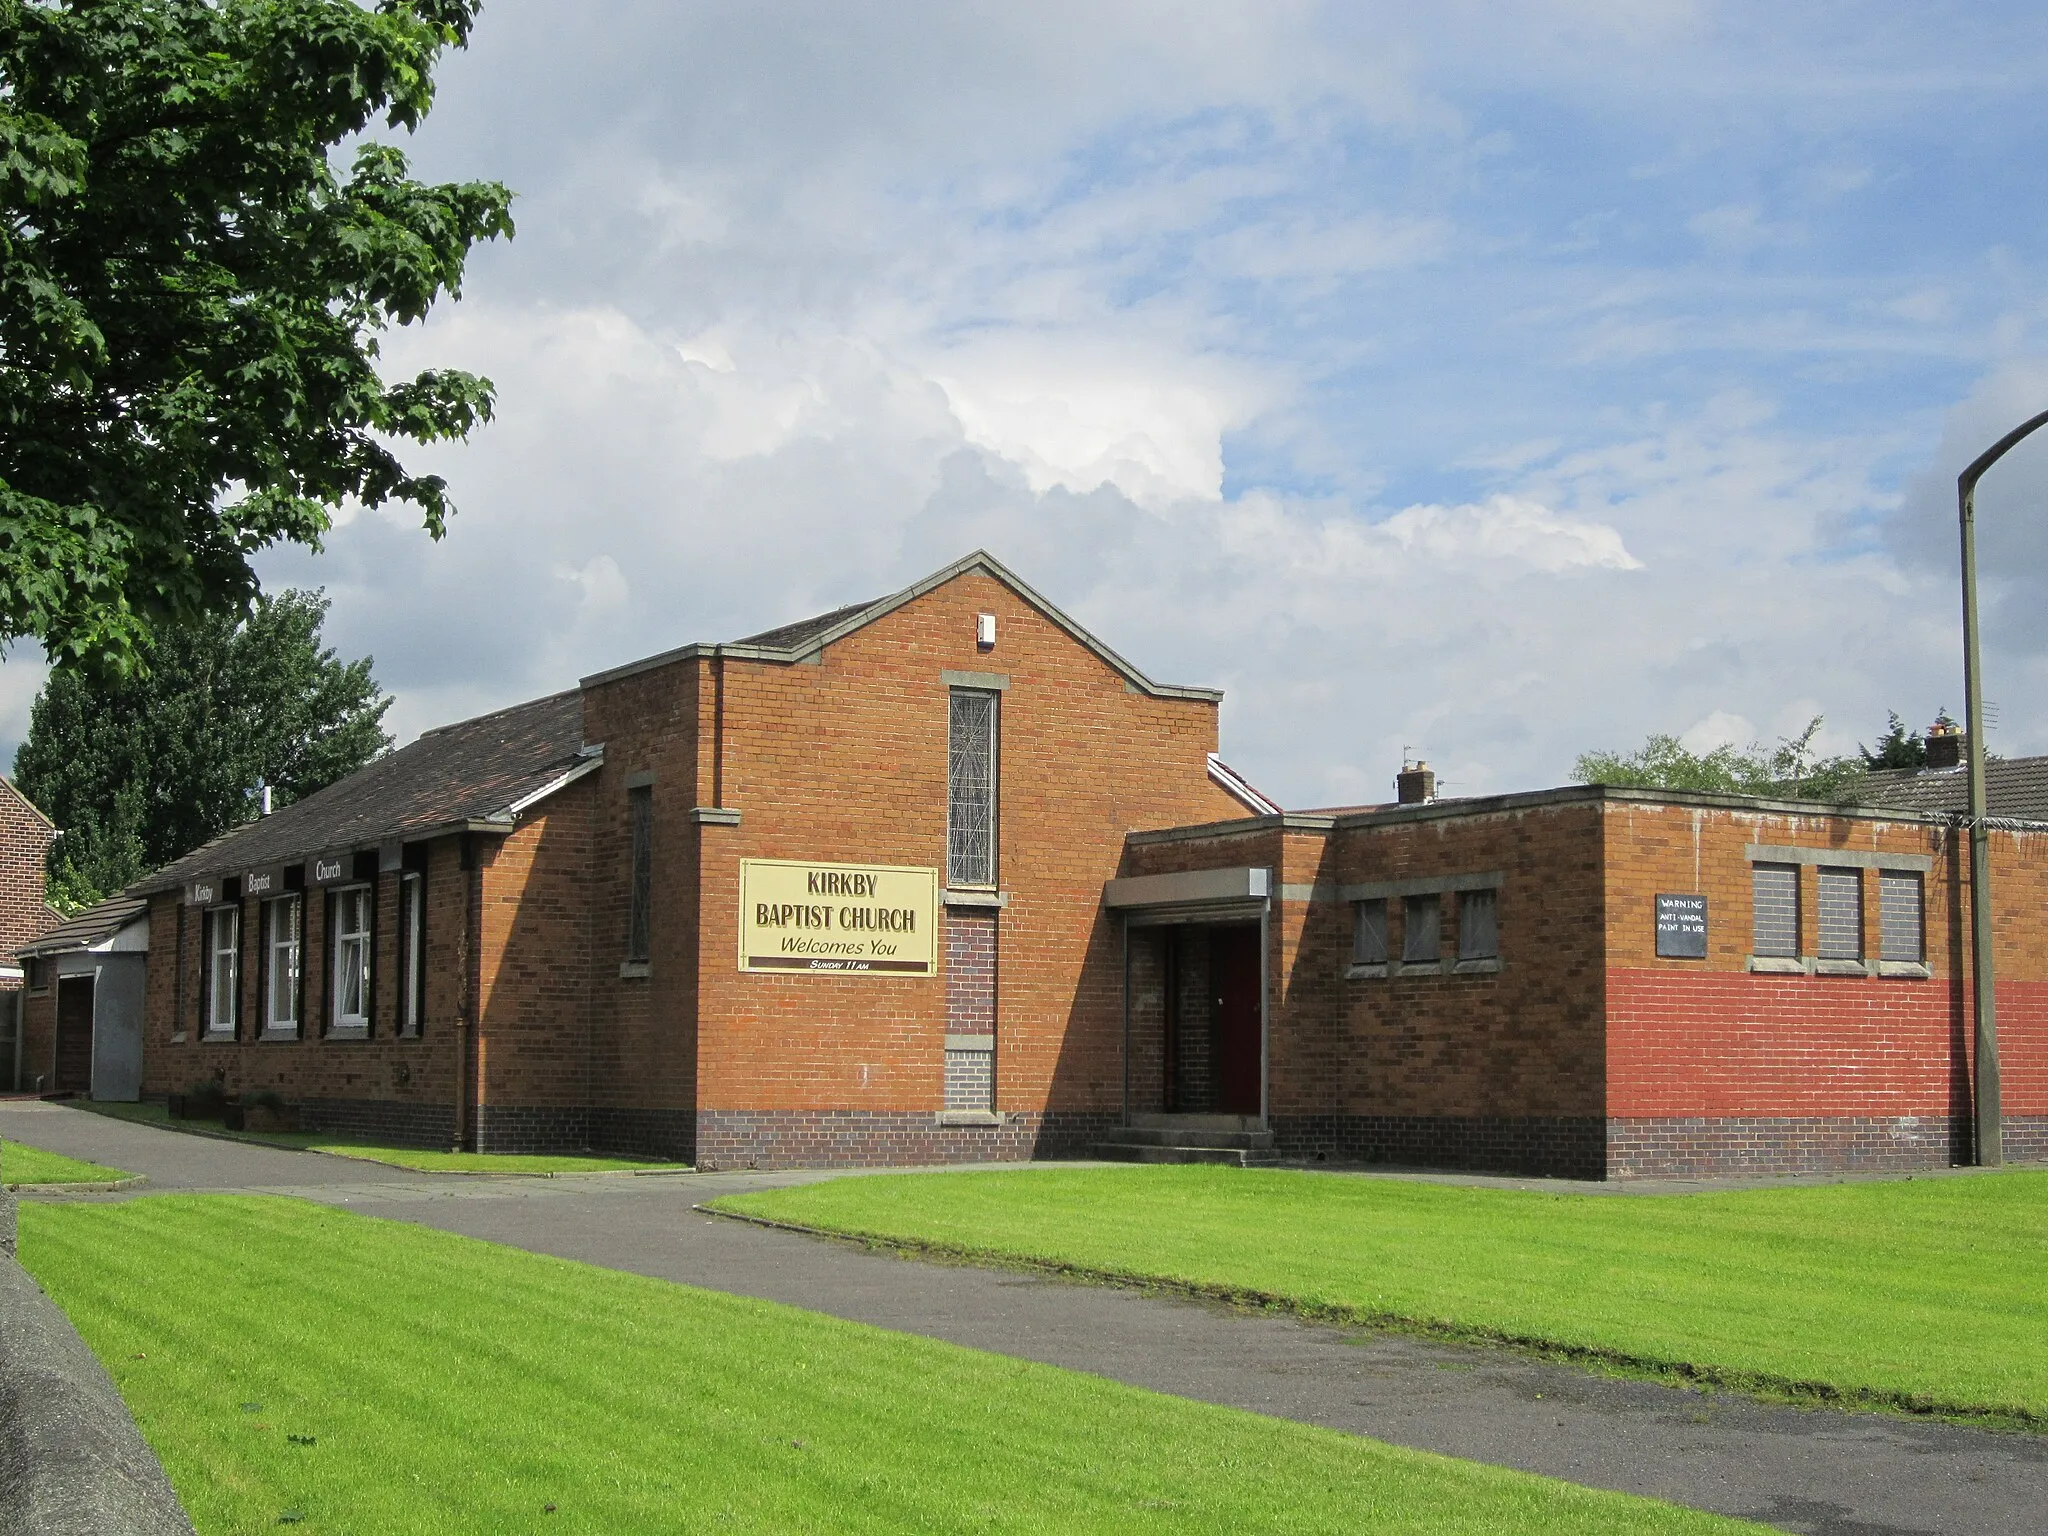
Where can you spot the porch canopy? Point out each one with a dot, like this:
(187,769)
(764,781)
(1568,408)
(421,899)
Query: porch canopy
(1192,896)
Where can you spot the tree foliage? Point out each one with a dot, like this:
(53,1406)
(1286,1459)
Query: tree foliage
(1898,747)
(1789,770)
(191,295)
(142,769)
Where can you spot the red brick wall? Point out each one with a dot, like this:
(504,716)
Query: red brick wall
(535,1041)
(846,760)
(1706,1037)
(397,1086)
(25,838)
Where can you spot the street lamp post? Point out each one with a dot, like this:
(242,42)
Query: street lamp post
(1989,1140)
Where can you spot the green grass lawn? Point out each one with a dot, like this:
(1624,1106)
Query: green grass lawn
(398,1157)
(1922,1293)
(291,1362)
(32,1165)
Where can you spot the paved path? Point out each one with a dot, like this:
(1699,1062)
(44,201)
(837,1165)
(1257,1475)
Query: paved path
(1803,1470)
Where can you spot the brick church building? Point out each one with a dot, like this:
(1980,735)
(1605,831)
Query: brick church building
(942,877)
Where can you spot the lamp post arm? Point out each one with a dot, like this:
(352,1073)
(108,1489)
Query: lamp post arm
(1989,1116)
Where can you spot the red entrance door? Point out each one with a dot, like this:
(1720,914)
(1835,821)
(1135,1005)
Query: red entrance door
(1234,975)
(74,1034)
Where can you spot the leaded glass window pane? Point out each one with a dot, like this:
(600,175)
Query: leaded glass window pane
(640,901)
(971,790)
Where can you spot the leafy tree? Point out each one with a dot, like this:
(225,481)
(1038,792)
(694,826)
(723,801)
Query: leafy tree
(1789,769)
(139,770)
(1897,748)
(192,292)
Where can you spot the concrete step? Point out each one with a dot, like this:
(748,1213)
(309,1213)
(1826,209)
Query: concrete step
(1130,1152)
(1196,1122)
(1179,1136)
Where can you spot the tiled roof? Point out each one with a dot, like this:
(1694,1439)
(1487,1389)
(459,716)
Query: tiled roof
(89,927)
(476,770)
(790,637)
(2015,788)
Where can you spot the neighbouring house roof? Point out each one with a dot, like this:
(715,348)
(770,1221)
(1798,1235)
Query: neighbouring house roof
(790,643)
(2015,789)
(88,929)
(474,775)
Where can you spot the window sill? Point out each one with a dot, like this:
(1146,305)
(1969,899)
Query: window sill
(1486,966)
(969,1117)
(1420,968)
(955,896)
(1840,968)
(291,1033)
(629,969)
(349,1032)
(219,1037)
(714,816)
(178,1037)
(1777,965)
(1915,970)
(1366,970)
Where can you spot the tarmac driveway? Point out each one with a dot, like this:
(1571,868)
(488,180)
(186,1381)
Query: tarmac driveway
(1809,1470)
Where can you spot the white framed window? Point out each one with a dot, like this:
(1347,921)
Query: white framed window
(281,965)
(412,964)
(349,990)
(223,969)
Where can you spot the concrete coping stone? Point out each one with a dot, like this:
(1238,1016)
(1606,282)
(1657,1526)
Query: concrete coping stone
(72,1462)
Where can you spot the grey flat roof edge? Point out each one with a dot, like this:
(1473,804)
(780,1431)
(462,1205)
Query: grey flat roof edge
(1239,826)
(1564,795)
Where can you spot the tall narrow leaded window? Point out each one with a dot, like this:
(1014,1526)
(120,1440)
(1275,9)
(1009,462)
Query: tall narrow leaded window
(223,969)
(1776,891)
(1900,927)
(351,986)
(1421,930)
(1840,893)
(1369,931)
(412,962)
(1479,925)
(971,789)
(281,964)
(640,900)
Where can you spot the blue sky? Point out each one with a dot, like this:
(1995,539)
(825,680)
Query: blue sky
(1494,384)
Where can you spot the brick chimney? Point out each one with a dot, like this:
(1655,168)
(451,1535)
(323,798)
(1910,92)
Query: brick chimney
(1415,785)
(1944,745)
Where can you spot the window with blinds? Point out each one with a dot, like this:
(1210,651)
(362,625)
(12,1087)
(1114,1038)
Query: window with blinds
(1776,891)
(1479,925)
(1840,893)
(1369,932)
(971,788)
(1901,925)
(1421,930)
